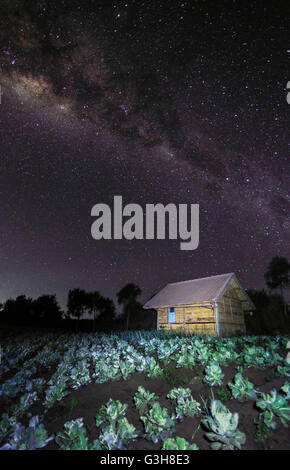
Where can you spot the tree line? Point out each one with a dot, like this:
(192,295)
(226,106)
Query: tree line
(96,312)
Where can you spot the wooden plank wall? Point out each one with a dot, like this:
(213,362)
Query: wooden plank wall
(194,320)
(231,314)
(202,320)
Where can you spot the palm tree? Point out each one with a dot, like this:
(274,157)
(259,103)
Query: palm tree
(277,275)
(127,297)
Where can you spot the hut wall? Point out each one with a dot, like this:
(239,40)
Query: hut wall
(231,314)
(192,320)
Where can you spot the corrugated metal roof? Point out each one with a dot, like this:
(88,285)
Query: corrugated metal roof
(196,291)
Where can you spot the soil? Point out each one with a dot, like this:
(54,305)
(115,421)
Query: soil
(88,400)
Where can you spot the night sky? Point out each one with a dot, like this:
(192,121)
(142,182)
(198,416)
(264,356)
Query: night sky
(156,101)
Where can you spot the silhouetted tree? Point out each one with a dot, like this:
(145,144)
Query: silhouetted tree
(46,310)
(93,302)
(127,298)
(257,323)
(277,275)
(268,317)
(107,314)
(77,303)
(19,310)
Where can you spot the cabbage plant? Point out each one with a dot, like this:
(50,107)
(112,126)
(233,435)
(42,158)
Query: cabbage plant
(286,389)
(224,355)
(284,369)
(80,374)
(30,438)
(115,434)
(158,424)
(23,404)
(144,400)
(74,437)
(150,366)
(185,358)
(126,367)
(56,391)
(165,351)
(204,354)
(115,427)
(112,411)
(242,389)
(178,443)
(223,427)
(7,424)
(273,405)
(184,402)
(213,374)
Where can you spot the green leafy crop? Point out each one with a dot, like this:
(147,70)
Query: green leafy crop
(112,411)
(185,357)
(242,389)
(74,437)
(184,402)
(30,438)
(178,443)
(284,369)
(273,405)
(286,389)
(223,427)
(115,427)
(158,424)
(144,400)
(214,375)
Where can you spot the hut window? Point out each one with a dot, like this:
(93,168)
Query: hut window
(171,315)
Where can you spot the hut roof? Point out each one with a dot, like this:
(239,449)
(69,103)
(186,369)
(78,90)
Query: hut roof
(198,291)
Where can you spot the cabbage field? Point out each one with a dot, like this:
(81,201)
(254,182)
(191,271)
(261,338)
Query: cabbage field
(143,390)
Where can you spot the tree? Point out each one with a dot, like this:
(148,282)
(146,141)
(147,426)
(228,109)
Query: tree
(268,316)
(127,298)
(93,300)
(19,310)
(277,275)
(46,310)
(77,303)
(102,309)
(107,314)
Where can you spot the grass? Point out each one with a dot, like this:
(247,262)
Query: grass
(73,404)
(262,431)
(174,377)
(223,394)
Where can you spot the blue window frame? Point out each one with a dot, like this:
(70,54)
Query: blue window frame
(171,315)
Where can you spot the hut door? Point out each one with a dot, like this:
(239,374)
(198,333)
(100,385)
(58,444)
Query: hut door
(171,315)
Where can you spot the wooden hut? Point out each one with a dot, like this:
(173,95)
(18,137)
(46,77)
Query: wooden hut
(211,305)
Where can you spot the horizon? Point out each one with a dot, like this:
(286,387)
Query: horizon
(63,303)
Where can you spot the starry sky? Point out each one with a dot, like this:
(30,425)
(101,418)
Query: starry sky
(156,101)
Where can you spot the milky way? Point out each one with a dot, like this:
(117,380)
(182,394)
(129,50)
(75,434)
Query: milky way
(155,102)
